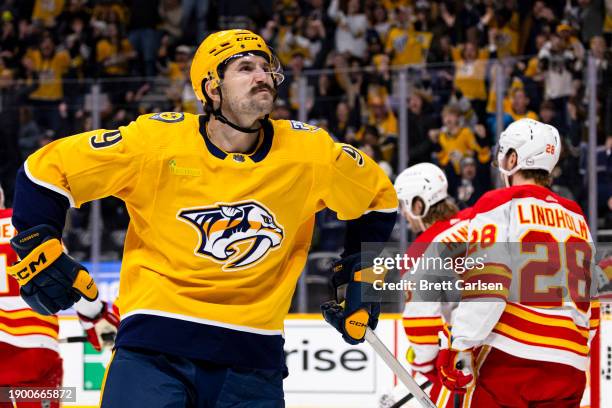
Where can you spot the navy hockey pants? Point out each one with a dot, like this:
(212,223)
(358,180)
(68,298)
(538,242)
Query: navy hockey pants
(141,378)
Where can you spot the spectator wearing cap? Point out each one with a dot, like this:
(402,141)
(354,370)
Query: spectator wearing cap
(351,26)
(570,41)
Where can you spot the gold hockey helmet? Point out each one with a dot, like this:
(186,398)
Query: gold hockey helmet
(219,48)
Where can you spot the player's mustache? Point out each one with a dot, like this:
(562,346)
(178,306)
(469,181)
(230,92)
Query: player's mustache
(264,86)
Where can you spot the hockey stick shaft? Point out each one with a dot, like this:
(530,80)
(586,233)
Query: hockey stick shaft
(83,339)
(408,397)
(397,369)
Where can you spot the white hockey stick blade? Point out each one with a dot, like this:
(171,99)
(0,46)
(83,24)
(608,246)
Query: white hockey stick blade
(398,370)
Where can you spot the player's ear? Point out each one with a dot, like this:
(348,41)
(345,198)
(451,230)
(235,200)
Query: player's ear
(212,91)
(417,206)
(512,159)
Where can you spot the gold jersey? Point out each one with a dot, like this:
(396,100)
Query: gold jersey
(216,240)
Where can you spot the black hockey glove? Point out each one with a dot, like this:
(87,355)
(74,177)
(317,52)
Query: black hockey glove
(50,280)
(357,304)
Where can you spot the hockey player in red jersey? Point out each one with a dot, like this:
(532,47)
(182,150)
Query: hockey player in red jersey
(521,332)
(29,353)
(422,192)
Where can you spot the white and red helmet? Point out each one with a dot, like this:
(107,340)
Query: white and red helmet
(425,181)
(537,146)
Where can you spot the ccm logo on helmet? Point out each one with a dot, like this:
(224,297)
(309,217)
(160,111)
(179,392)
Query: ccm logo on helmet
(246,38)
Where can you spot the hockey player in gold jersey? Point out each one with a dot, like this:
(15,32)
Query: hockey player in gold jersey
(221,216)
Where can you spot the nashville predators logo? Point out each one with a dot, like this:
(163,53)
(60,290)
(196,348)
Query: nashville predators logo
(237,235)
(168,117)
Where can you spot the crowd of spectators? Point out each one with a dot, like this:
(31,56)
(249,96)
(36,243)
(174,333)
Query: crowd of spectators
(458,55)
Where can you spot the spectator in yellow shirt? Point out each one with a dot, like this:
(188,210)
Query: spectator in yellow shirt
(518,107)
(470,74)
(404,43)
(385,121)
(179,90)
(50,66)
(46,11)
(456,141)
(114,53)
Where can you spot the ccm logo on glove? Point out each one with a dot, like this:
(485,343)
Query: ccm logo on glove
(37,260)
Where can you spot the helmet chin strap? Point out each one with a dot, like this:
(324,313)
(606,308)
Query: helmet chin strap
(506,179)
(221,118)
(507,175)
(421,224)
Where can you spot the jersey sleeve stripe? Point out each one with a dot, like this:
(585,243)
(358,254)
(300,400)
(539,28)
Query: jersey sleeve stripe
(423,339)
(542,341)
(26,313)
(422,321)
(382,210)
(49,186)
(27,330)
(423,331)
(553,321)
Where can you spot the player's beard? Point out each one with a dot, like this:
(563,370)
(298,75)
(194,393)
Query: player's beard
(254,104)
